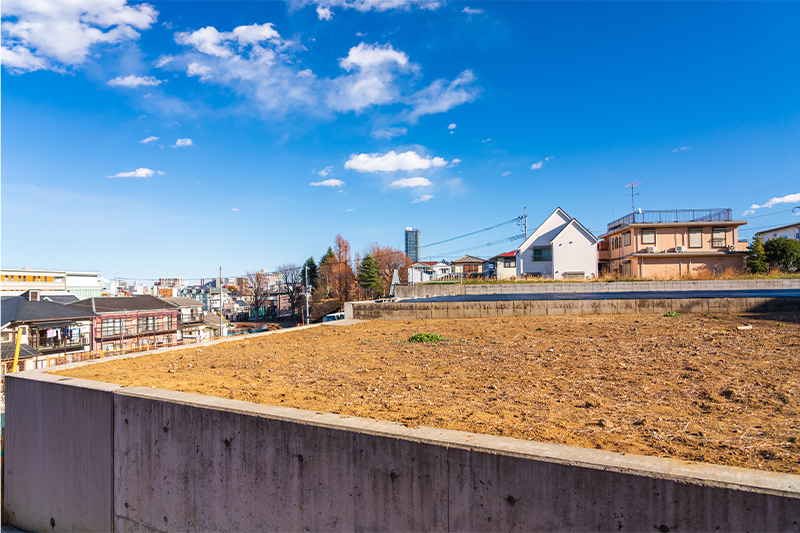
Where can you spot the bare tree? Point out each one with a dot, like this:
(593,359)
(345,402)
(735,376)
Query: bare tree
(292,279)
(343,276)
(257,289)
(389,259)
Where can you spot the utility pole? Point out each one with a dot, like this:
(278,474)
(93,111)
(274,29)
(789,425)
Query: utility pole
(220,302)
(525,212)
(308,314)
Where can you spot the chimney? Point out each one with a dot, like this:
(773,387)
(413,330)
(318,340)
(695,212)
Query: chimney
(33,296)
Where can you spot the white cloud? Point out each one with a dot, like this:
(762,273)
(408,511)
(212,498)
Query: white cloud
(58,34)
(540,164)
(138,173)
(373,72)
(324,13)
(681,149)
(411,182)
(442,96)
(183,143)
(235,209)
(164,60)
(149,140)
(788,199)
(423,198)
(471,11)
(487,140)
(135,81)
(324,172)
(506,173)
(454,162)
(370,5)
(392,161)
(328,183)
(349,210)
(451,127)
(211,42)
(160,172)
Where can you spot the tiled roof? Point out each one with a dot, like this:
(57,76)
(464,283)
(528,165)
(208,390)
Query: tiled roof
(19,309)
(181,301)
(466,259)
(123,303)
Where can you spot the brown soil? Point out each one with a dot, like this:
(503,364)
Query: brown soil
(694,388)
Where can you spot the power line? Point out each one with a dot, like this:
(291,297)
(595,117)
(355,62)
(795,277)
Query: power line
(486,245)
(513,220)
(473,223)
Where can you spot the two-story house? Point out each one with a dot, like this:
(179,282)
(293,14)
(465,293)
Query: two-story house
(129,322)
(672,243)
(560,248)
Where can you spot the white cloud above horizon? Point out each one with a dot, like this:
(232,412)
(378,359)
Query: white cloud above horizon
(411,182)
(149,140)
(328,183)
(472,11)
(788,199)
(60,34)
(540,164)
(183,143)
(392,161)
(324,172)
(323,13)
(138,173)
(133,81)
(681,149)
(506,173)
(423,198)
(369,5)
(235,209)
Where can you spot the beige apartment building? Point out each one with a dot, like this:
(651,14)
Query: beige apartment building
(672,243)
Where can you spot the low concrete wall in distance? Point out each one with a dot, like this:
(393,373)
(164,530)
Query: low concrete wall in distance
(189,462)
(405,292)
(409,310)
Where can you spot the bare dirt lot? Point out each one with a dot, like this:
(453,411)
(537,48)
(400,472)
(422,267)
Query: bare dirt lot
(694,387)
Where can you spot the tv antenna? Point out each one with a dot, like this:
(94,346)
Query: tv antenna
(632,186)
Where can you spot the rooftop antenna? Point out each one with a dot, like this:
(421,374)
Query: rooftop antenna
(632,186)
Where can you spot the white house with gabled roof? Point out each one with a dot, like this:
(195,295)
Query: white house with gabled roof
(560,248)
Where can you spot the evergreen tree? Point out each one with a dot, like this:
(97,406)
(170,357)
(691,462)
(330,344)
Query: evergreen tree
(325,273)
(756,262)
(369,275)
(783,253)
(313,275)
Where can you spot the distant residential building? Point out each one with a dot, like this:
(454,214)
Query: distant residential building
(467,266)
(138,289)
(209,296)
(82,284)
(46,328)
(673,243)
(165,292)
(129,322)
(413,244)
(171,282)
(560,248)
(501,266)
(237,310)
(792,231)
(190,318)
(424,271)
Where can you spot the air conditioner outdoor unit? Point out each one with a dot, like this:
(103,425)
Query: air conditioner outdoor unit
(680,249)
(651,249)
(732,248)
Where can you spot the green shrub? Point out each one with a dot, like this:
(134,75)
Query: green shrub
(426,337)
(672,314)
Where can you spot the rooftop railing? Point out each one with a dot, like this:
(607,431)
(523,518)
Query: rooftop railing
(670,216)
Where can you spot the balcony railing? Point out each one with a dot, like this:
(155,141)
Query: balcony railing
(671,216)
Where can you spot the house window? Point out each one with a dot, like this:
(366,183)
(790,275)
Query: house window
(695,237)
(169,322)
(648,236)
(147,323)
(627,237)
(542,254)
(718,238)
(470,268)
(510,263)
(6,336)
(112,326)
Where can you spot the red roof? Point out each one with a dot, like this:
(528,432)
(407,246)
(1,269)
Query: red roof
(429,263)
(508,254)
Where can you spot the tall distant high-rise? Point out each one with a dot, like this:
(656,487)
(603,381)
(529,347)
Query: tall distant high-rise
(413,243)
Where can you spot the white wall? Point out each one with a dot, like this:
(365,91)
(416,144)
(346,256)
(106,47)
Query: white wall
(789,233)
(572,252)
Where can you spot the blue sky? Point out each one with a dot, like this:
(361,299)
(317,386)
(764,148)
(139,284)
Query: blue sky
(171,138)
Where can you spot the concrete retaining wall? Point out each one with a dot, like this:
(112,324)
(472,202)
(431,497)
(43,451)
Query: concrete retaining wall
(189,462)
(409,310)
(405,292)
